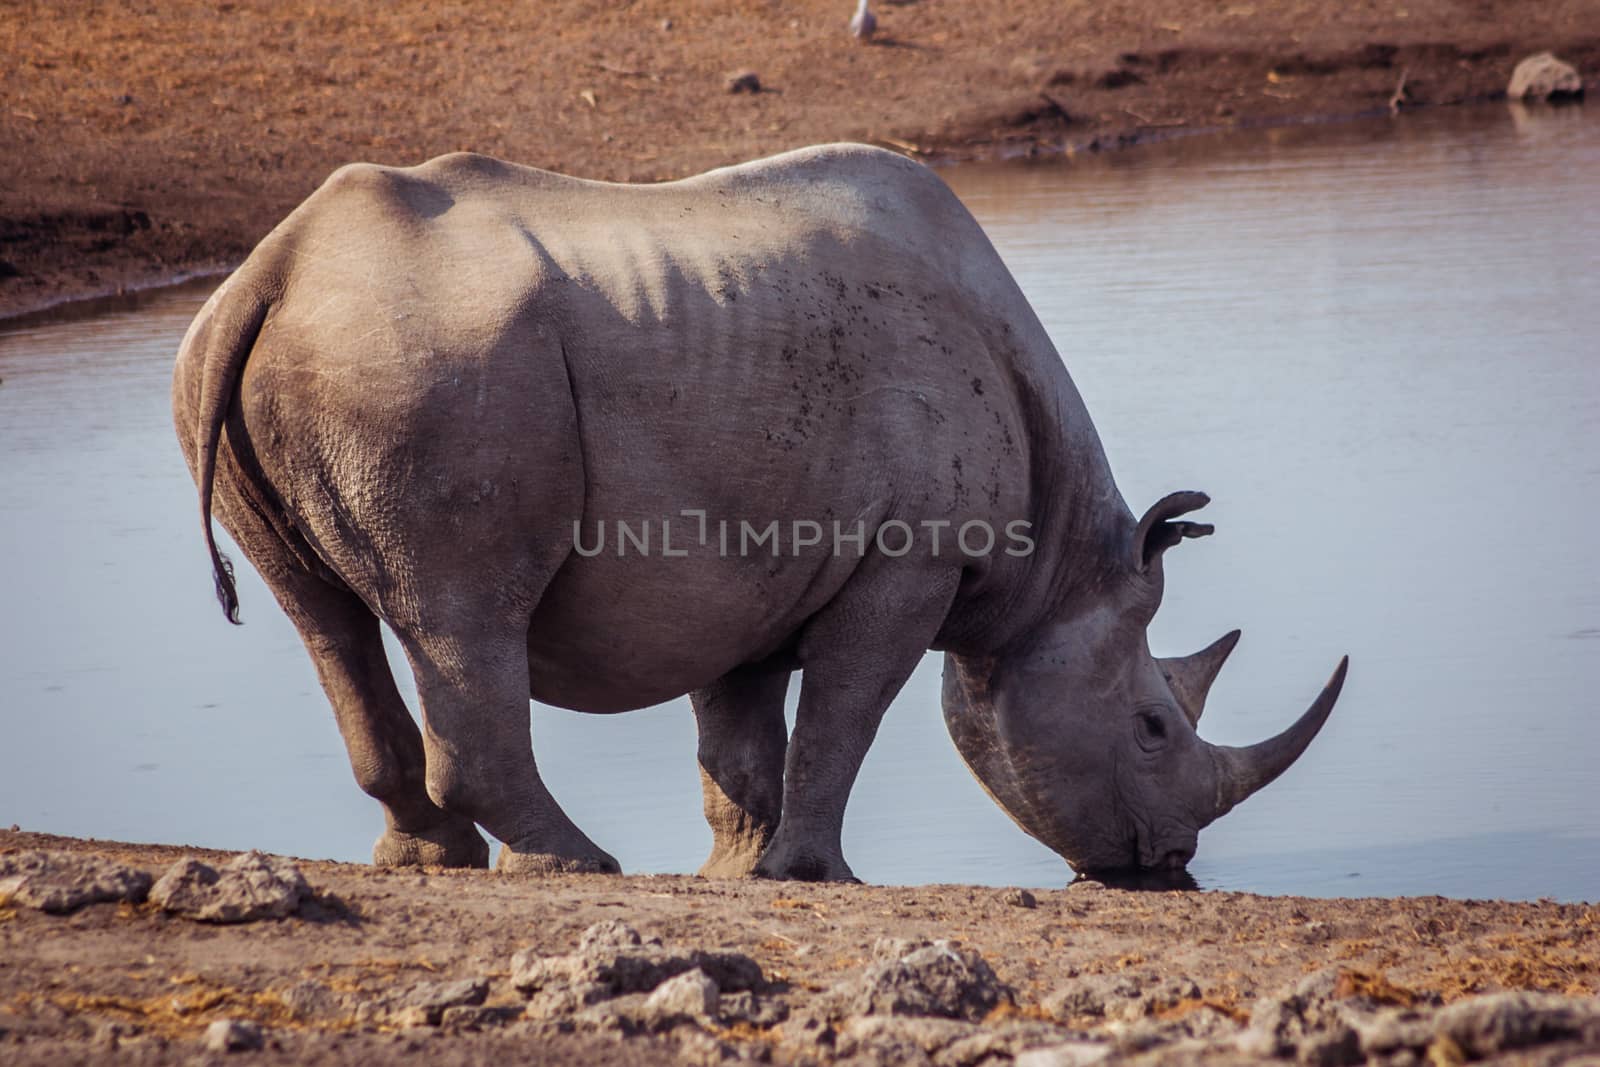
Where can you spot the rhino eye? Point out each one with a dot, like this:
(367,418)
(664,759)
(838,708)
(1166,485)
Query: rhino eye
(1150,731)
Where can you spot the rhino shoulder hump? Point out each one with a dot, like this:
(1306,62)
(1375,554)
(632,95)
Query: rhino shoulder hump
(371,191)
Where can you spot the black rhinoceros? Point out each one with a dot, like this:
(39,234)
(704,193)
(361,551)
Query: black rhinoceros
(610,444)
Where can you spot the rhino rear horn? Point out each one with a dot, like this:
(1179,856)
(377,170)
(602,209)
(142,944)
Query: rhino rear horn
(1157,532)
(1190,677)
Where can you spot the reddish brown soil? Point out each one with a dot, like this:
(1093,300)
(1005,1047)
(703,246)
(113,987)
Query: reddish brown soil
(142,141)
(67,982)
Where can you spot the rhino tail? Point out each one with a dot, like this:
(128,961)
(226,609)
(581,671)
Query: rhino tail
(236,316)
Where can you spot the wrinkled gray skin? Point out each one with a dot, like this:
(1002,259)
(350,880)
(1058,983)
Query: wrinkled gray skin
(420,380)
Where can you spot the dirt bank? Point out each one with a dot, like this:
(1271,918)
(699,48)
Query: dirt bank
(363,972)
(143,141)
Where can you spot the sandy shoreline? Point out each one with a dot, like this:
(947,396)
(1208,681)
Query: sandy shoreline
(168,140)
(1169,977)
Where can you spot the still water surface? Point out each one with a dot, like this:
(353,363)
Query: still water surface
(1374,345)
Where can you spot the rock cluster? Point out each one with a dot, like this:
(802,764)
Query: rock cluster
(920,1002)
(60,882)
(453,1005)
(619,980)
(249,887)
(1312,1025)
(925,1003)
(937,1004)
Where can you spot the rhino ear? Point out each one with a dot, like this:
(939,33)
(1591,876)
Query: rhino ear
(1157,532)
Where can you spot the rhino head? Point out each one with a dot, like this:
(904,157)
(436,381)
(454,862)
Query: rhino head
(1088,741)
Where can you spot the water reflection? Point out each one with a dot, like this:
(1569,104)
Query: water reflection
(1372,344)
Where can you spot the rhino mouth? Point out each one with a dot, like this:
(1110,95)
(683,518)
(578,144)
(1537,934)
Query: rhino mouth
(1143,879)
(1154,860)
(1165,843)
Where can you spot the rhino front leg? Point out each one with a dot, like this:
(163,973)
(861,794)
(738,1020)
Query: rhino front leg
(742,741)
(855,655)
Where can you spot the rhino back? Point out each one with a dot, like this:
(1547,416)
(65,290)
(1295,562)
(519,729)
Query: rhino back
(824,336)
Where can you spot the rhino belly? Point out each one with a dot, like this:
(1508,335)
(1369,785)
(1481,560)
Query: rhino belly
(617,633)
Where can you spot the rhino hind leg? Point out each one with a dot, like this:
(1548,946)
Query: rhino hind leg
(473,684)
(855,655)
(380,736)
(743,737)
(385,749)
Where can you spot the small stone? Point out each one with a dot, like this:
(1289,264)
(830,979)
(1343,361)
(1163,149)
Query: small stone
(1113,996)
(107,1035)
(428,1001)
(691,995)
(309,1000)
(609,934)
(938,980)
(1019,898)
(59,882)
(744,81)
(745,1007)
(1074,1001)
(249,887)
(1543,77)
(233,1035)
(1085,885)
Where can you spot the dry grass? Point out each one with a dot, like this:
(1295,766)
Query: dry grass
(180,1015)
(1375,987)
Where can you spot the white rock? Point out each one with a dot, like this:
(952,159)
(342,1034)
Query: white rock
(1541,76)
(233,1035)
(692,993)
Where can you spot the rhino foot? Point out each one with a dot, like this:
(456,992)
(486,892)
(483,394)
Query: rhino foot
(453,843)
(737,860)
(514,860)
(803,866)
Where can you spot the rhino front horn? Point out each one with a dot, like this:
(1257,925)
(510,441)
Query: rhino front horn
(1190,677)
(1242,771)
